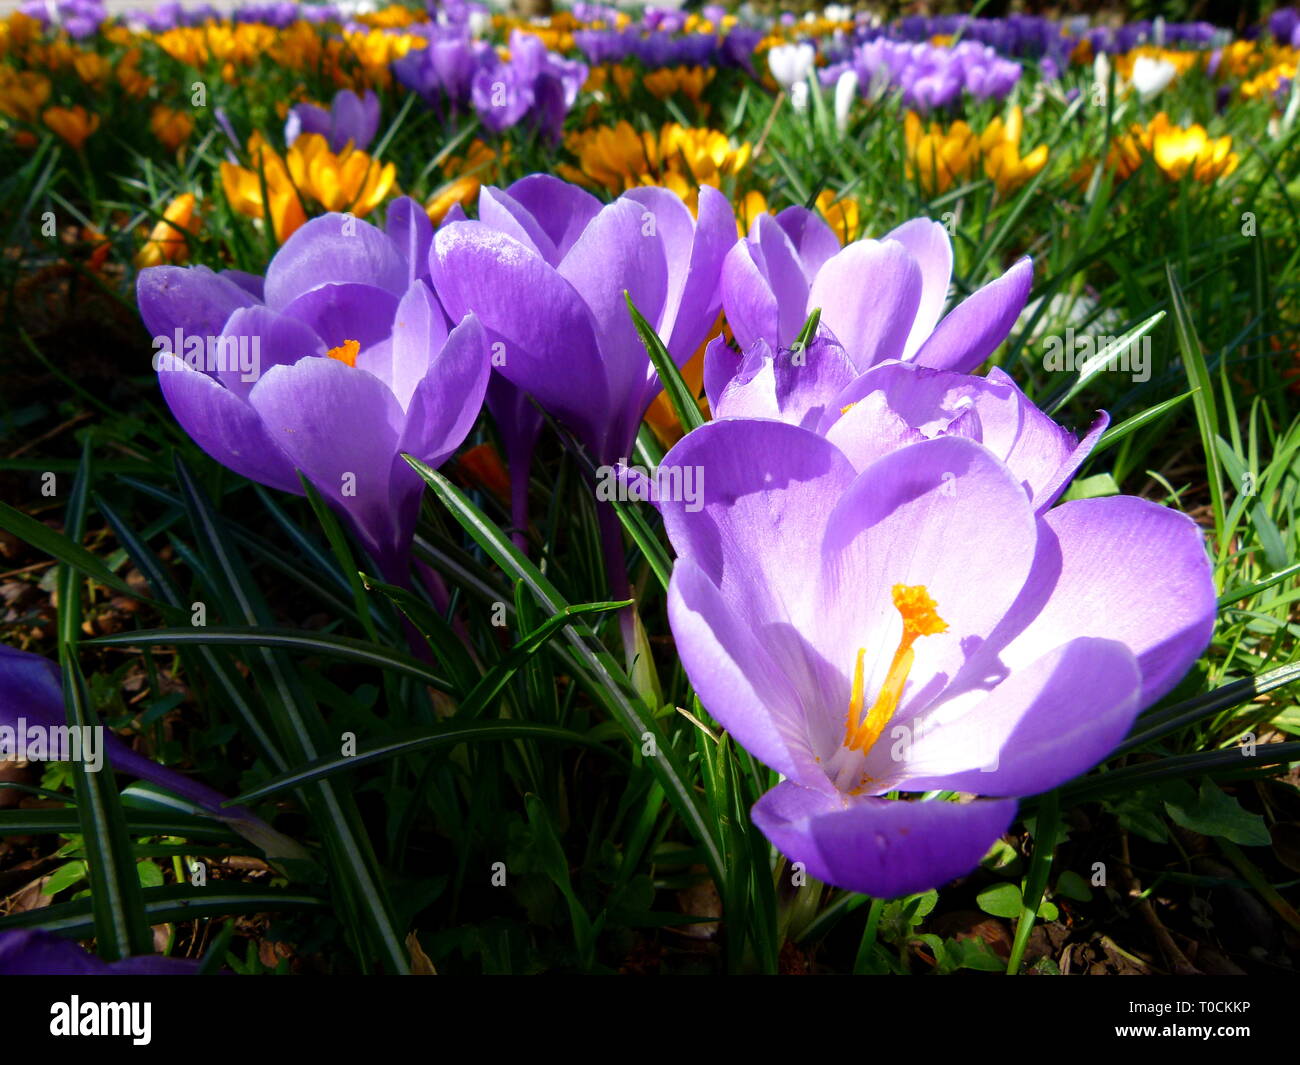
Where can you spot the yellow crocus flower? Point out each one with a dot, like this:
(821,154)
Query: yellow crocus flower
(171,127)
(348,181)
(73,124)
(167,242)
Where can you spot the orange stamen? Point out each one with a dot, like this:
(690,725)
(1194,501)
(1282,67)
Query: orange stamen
(920,618)
(346,352)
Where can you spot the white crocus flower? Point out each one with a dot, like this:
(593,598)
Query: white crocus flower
(1150,76)
(790,65)
(846,88)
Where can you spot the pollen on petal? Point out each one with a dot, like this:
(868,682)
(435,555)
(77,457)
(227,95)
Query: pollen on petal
(346,352)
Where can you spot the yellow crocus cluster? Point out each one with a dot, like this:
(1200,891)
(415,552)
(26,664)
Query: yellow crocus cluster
(92,68)
(168,241)
(1176,150)
(243,189)
(939,158)
(1000,150)
(349,180)
(672,81)
(23,94)
(73,124)
(618,158)
(840,212)
(129,77)
(17,32)
(171,126)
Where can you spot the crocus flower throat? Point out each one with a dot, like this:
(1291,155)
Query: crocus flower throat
(920,618)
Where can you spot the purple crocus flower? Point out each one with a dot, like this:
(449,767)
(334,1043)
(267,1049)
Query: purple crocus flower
(395,380)
(914,627)
(545,269)
(34,952)
(895,404)
(31,694)
(349,118)
(881,299)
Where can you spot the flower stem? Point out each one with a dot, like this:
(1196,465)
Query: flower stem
(1046,824)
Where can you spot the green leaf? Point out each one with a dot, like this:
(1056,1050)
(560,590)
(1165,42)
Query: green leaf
(679,395)
(1216,813)
(1072,886)
(1000,900)
(409,742)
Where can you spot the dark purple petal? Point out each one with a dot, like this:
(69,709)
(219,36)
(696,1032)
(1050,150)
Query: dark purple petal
(193,300)
(334,249)
(224,426)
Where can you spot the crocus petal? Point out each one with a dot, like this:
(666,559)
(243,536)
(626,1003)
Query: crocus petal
(868,295)
(738,681)
(928,243)
(193,300)
(752,310)
(765,490)
(338,249)
(785,274)
(534,313)
(339,426)
(791,386)
(337,313)
(814,241)
(419,333)
(276,338)
(880,847)
(721,364)
(923,515)
(35,952)
(445,404)
(561,209)
(411,232)
(500,211)
(972,330)
(1125,569)
(1045,724)
(614,259)
(224,426)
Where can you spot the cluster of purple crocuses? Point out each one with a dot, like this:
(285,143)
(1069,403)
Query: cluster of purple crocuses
(878,595)
(927,76)
(455,72)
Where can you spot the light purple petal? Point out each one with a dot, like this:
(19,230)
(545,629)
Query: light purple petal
(928,243)
(411,232)
(547,335)
(342,312)
(868,295)
(736,679)
(880,847)
(1125,569)
(339,425)
(747,297)
(273,338)
(563,210)
(972,330)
